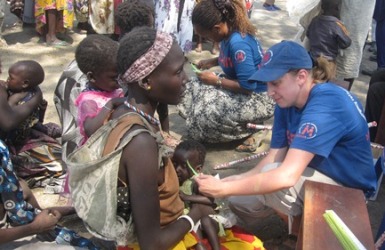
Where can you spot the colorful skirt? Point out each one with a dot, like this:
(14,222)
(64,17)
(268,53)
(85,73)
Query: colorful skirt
(66,19)
(234,239)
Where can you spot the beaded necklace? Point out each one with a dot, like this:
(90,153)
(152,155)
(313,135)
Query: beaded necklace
(145,115)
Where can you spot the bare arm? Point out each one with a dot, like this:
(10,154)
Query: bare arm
(141,170)
(12,117)
(196,198)
(279,178)
(15,98)
(208,63)
(274,155)
(44,221)
(91,124)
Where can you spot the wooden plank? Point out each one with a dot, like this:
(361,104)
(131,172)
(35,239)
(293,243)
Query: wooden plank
(349,204)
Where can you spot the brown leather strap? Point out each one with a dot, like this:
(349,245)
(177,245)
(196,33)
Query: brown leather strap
(120,129)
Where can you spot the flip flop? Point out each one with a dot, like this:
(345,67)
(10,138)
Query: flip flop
(248,146)
(57,43)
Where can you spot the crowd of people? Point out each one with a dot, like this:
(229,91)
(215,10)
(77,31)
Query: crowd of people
(128,180)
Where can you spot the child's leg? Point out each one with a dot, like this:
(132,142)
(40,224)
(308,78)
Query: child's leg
(210,228)
(215,49)
(199,44)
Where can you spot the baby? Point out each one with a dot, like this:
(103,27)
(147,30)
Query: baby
(188,160)
(96,58)
(22,84)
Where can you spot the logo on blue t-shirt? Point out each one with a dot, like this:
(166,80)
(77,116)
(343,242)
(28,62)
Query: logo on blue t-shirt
(240,56)
(307,130)
(267,57)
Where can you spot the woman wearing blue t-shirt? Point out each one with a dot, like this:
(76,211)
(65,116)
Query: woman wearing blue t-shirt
(218,107)
(320,133)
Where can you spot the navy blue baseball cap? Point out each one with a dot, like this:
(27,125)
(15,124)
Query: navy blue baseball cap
(280,59)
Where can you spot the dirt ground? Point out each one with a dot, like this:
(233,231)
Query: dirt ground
(24,43)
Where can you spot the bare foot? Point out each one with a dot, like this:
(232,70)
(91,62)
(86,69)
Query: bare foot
(215,49)
(198,48)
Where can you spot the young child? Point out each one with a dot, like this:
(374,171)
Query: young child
(96,58)
(327,34)
(31,137)
(193,153)
(22,84)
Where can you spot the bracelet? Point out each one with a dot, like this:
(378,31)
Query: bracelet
(219,82)
(107,108)
(188,218)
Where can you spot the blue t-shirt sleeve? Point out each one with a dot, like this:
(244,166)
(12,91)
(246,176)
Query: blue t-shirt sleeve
(279,134)
(243,61)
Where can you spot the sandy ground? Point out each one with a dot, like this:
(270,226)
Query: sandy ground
(24,43)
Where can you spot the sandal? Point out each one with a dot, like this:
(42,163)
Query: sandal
(248,146)
(57,43)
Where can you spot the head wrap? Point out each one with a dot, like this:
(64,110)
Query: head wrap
(145,64)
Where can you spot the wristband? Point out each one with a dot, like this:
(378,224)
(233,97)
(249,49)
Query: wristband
(107,108)
(219,82)
(188,218)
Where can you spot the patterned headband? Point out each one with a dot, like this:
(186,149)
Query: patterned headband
(145,64)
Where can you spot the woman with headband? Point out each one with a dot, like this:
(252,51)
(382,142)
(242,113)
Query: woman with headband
(123,184)
(217,108)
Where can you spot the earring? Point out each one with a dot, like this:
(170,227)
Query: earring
(148,88)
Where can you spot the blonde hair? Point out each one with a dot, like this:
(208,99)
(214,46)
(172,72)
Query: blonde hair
(324,70)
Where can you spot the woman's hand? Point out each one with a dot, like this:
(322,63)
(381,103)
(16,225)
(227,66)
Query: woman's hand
(210,186)
(208,77)
(208,63)
(46,220)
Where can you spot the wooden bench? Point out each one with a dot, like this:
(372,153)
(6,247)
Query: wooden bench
(349,204)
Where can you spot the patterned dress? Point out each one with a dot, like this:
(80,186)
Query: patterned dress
(166,20)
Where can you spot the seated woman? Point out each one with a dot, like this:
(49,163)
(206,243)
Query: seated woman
(123,184)
(319,133)
(218,107)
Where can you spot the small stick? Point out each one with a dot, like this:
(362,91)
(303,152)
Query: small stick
(248,158)
(192,169)
(257,126)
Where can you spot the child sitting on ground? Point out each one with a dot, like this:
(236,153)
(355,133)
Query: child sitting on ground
(31,137)
(96,57)
(22,84)
(327,34)
(193,153)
